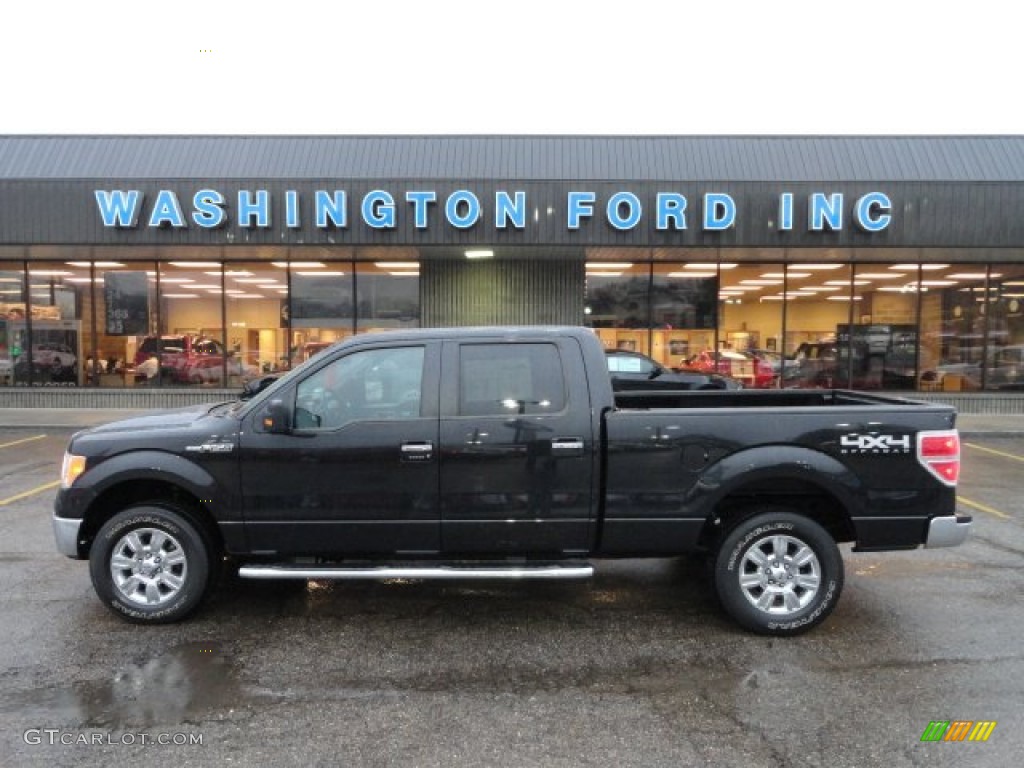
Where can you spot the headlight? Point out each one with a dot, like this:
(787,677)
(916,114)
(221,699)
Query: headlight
(70,469)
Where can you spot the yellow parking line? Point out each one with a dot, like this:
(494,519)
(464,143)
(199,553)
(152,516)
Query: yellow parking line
(23,440)
(982,508)
(1004,454)
(26,494)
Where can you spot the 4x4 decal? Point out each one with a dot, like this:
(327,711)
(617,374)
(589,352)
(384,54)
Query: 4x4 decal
(873,443)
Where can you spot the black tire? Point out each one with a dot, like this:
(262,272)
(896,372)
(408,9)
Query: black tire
(151,565)
(778,573)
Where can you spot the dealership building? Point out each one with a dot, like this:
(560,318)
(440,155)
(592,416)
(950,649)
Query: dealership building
(145,270)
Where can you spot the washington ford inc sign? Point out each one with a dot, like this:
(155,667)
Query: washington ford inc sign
(463,209)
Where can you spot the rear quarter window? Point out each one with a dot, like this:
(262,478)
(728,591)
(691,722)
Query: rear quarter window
(509,379)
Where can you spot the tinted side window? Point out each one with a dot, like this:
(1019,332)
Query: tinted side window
(508,379)
(376,384)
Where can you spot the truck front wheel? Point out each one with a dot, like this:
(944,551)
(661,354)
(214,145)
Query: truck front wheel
(778,573)
(149,564)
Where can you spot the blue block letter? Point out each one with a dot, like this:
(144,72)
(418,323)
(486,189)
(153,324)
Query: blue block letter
(873,212)
(580,204)
(719,211)
(671,208)
(506,209)
(118,208)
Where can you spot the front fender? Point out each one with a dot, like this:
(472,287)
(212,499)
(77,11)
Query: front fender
(155,466)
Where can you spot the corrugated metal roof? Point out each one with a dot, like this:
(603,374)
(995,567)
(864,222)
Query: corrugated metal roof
(540,158)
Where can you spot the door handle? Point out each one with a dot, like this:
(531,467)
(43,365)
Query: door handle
(417,451)
(567,446)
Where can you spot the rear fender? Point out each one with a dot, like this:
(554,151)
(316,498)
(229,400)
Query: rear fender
(771,465)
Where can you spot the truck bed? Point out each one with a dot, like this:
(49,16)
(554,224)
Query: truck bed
(672,457)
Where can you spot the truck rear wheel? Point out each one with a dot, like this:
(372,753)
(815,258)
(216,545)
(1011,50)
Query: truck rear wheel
(778,573)
(150,564)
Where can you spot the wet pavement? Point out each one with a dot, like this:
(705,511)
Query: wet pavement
(636,667)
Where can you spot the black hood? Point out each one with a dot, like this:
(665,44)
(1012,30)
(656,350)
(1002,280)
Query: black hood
(174,418)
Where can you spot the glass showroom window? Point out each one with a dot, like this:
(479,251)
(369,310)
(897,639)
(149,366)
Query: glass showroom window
(1004,368)
(322,310)
(185,342)
(52,343)
(952,299)
(13,336)
(125,311)
(683,298)
(750,332)
(387,295)
(256,317)
(884,339)
(821,301)
(617,303)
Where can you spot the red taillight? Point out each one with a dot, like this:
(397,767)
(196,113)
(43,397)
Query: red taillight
(939,453)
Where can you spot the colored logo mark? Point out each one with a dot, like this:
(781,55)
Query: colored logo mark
(958,730)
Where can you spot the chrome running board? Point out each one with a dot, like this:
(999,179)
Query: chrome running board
(438,572)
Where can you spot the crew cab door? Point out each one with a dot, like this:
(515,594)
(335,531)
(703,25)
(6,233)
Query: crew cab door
(518,454)
(356,472)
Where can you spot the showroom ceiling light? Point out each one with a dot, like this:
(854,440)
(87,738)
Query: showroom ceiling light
(483,253)
(601,265)
(298,264)
(192,264)
(97,264)
(330,273)
(396,264)
(692,275)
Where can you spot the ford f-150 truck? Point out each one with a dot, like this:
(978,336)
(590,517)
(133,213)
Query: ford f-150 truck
(504,453)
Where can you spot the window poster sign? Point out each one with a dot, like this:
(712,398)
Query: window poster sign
(127,300)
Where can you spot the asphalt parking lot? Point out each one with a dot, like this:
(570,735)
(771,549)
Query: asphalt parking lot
(636,667)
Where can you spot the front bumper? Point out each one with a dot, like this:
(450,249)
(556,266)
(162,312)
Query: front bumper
(948,531)
(65,531)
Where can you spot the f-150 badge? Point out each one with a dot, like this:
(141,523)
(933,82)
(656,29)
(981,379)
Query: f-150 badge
(211,448)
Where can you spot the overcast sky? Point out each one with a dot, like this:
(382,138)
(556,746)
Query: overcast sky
(525,66)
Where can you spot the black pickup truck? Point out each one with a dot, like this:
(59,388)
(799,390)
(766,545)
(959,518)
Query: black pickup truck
(492,453)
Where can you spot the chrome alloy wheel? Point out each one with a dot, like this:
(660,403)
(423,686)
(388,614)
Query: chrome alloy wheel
(779,574)
(148,566)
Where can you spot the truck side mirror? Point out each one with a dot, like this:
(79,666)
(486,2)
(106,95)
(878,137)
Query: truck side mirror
(277,418)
